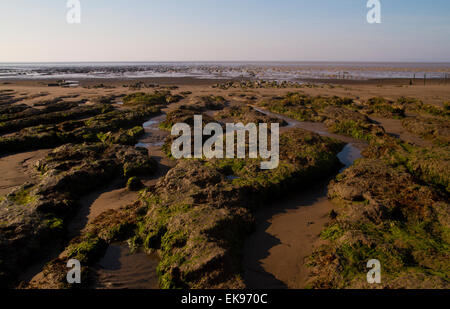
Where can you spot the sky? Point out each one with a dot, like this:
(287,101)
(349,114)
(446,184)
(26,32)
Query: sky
(225,30)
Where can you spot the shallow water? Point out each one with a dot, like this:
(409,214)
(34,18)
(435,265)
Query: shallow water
(280,71)
(120,269)
(349,155)
(153,137)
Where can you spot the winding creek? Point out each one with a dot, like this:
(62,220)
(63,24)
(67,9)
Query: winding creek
(287,231)
(119,268)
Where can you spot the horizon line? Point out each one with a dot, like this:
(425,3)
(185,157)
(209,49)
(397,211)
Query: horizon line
(230,61)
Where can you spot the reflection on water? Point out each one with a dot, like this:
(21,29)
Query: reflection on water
(150,123)
(154,137)
(348,155)
(120,269)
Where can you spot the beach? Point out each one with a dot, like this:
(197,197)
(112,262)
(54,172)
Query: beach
(213,224)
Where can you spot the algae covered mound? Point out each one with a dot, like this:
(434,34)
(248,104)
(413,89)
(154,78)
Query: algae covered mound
(142,98)
(33,216)
(61,122)
(383,213)
(246,114)
(432,128)
(183,115)
(349,122)
(341,115)
(76,131)
(385,108)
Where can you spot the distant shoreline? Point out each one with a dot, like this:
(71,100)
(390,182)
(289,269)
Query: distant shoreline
(277,71)
(197,81)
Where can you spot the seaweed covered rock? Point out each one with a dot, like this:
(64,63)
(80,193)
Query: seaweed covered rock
(436,129)
(110,226)
(341,115)
(384,214)
(78,131)
(431,165)
(34,215)
(247,114)
(382,107)
(75,112)
(182,115)
(345,121)
(299,106)
(142,98)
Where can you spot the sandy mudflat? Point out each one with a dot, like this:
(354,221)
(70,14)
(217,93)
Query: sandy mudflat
(288,230)
(286,234)
(434,92)
(17,169)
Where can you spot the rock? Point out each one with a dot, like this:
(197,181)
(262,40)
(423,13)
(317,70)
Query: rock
(134,184)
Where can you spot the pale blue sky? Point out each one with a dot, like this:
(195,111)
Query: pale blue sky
(225,30)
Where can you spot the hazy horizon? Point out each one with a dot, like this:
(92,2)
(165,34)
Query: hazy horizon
(225,62)
(232,31)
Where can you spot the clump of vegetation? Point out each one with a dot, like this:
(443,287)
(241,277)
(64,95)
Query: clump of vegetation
(157,98)
(79,131)
(124,137)
(22,196)
(382,107)
(54,223)
(303,107)
(435,129)
(351,128)
(246,114)
(91,249)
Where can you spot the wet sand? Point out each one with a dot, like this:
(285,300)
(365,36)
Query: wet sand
(434,92)
(274,255)
(112,196)
(394,127)
(17,169)
(120,269)
(287,231)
